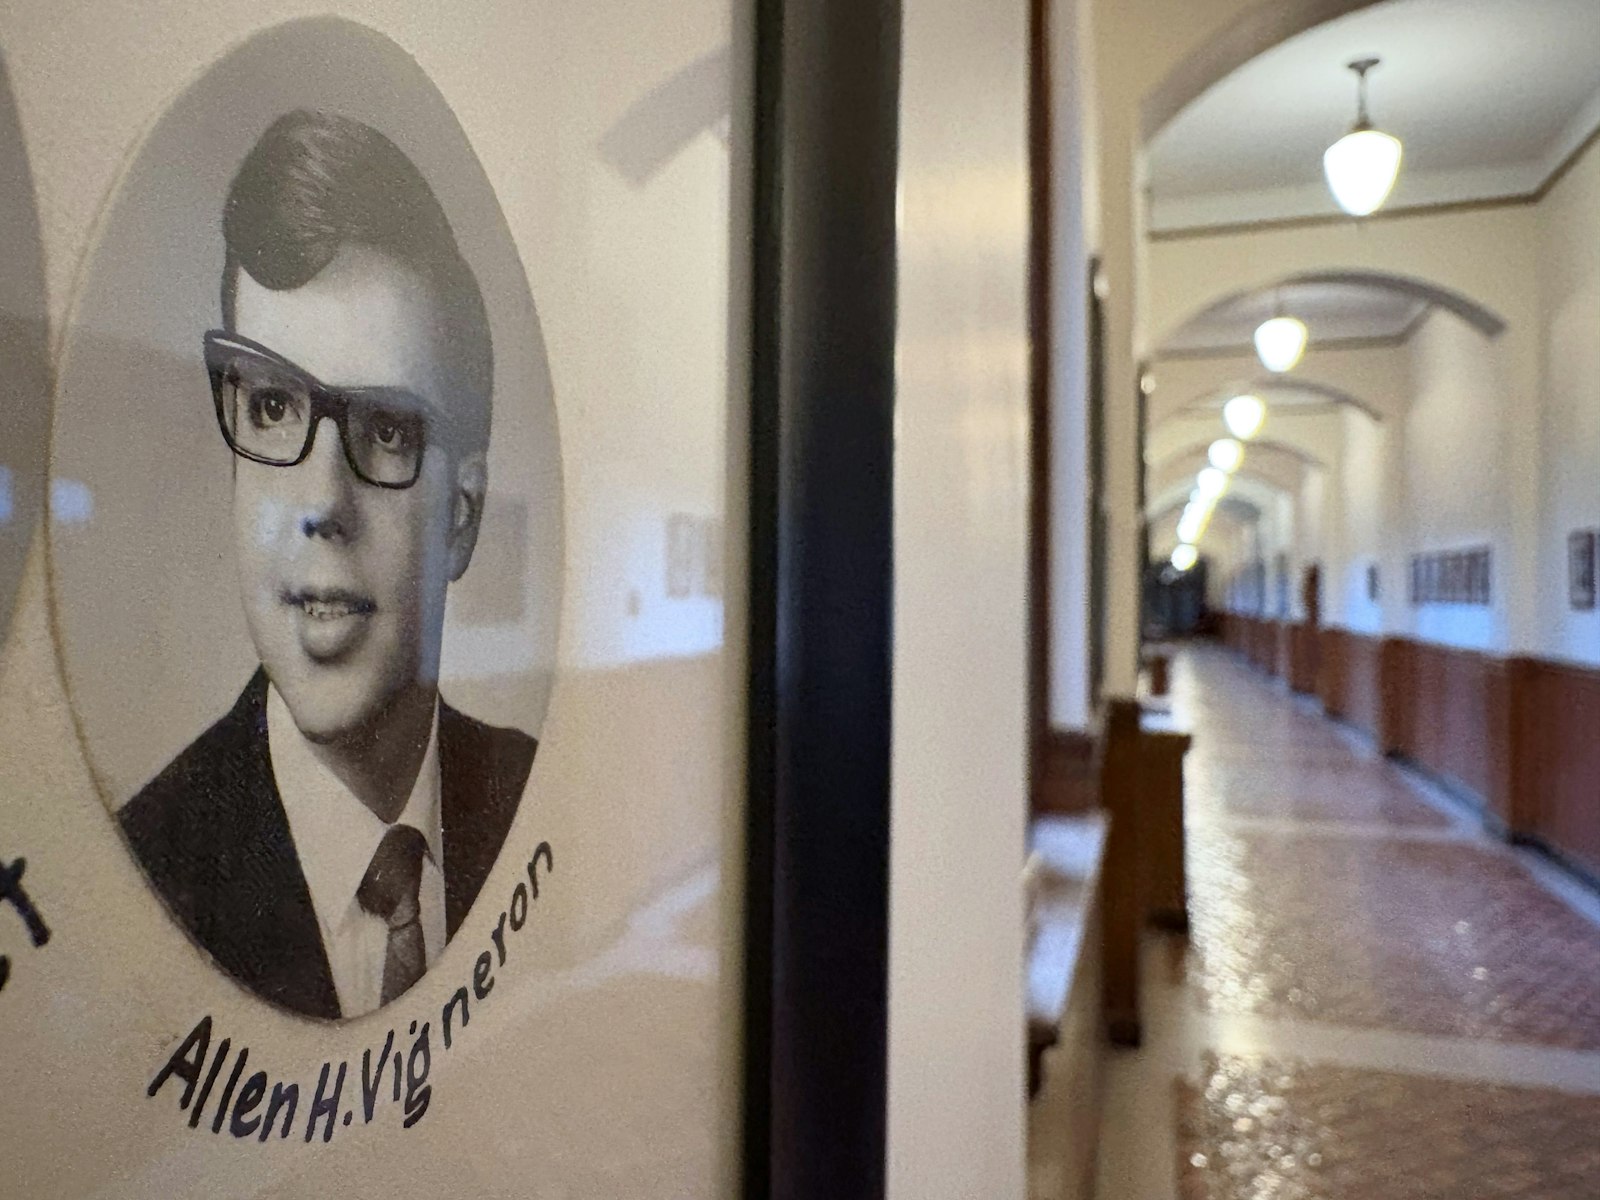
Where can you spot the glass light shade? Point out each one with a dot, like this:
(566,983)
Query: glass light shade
(1281,342)
(1185,557)
(1212,482)
(1244,416)
(1362,167)
(1226,454)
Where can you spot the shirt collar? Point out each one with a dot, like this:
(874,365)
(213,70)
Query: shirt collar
(335,834)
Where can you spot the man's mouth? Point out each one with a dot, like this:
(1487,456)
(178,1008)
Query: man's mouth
(331,622)
(329,604)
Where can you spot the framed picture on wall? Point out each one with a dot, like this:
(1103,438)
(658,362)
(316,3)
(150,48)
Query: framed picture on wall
(1581,570)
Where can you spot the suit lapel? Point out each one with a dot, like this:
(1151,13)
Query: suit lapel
(279,941)
(464,863)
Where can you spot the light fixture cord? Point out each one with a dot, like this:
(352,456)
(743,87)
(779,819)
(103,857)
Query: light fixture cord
(1361,66)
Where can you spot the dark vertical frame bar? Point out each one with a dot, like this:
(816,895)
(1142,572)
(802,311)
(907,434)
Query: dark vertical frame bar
(1142,413)
(1041,271)
(821,578)
(1099,571)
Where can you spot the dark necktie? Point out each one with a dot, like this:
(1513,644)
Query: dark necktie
(390,890)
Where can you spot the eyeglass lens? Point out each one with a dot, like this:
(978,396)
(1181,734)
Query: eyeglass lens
(268,413)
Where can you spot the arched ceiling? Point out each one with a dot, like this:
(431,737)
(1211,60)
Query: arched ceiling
(1490,98)
(1301,396)
(1340,308)
(1225,526)
(1372,379)
(1335,313)
(1289,457)
(1282,473)
(1170,493)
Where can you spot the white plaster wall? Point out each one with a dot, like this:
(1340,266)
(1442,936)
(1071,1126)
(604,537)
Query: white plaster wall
(1569,275)
(1072,151)
(1458,471)
(1360,504)
(956,1089)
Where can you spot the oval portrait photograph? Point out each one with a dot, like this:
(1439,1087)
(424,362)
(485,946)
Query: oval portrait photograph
(306,586)
(24,358)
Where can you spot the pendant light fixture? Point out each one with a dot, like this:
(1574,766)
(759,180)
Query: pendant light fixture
(1363,165)
(1281,341)
(1244,415)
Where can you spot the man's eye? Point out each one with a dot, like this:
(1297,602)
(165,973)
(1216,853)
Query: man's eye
(270,407)
(391,434)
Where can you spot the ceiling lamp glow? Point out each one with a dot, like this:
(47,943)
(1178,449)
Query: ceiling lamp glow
(1244,416)
(1281,343)
(1212,483)
(1226,455)
(1185,557)
(1363,165)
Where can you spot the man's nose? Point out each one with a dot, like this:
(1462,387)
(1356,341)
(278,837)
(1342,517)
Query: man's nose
(327,486)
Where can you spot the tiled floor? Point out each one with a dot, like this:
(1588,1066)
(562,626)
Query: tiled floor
(1258,1127)
(1377,1001)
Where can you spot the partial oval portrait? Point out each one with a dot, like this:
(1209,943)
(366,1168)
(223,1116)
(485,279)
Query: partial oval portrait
(24,357)
(306,551)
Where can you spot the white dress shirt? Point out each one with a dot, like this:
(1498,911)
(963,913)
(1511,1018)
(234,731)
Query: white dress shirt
(335,836)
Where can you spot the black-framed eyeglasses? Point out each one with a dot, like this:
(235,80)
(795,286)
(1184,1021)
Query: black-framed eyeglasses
(268,409)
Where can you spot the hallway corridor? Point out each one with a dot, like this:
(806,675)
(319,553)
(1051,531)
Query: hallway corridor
(1377,1001)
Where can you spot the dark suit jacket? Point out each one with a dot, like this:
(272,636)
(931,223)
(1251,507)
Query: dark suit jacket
(212,836)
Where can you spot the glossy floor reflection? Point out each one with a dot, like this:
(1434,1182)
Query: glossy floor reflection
(1377,1002)
(1257,1127)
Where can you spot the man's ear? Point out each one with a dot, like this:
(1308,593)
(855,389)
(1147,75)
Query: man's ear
(466,511)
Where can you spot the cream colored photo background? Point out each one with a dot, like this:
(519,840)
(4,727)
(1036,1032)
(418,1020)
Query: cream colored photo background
(606,1061)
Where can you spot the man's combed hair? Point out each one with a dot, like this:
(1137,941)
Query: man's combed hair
(317,181)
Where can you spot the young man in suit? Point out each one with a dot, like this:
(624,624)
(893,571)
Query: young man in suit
(325,838)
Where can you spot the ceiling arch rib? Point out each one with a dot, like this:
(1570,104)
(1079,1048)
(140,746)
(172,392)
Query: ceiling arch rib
(1353,304)
(1261,488)
(1372,380)
(1255,450)
(1305,395)
(1284,475)
(1237,508)
(1257,31)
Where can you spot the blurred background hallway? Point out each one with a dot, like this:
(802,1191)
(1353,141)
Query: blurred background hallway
(1376,1001)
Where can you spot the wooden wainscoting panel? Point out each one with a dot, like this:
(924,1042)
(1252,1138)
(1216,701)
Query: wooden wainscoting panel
(1350,678)
(1457,720)
(1304,652)
(1333,671)
(1558,758)
(1397,696)
(1263,643)
(1068,781)
(1282,649)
